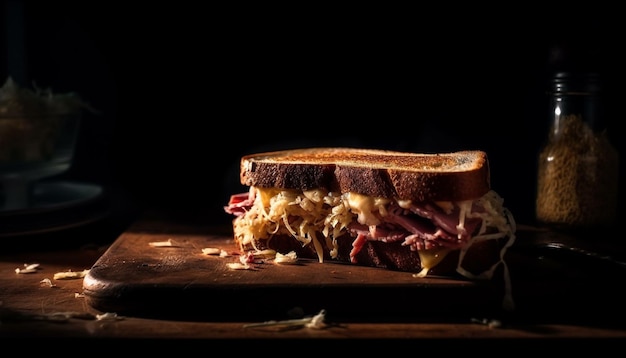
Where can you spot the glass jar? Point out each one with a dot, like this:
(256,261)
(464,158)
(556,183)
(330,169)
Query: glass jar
(577,179)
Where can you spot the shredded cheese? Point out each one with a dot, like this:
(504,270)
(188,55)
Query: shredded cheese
(167,243)
(498,217)
(211,251)
(288,258)
(315,322)
(305,214)
(69,275)
(28,268)
(47,282)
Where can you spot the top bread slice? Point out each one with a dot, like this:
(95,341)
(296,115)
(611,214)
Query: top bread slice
(454,176)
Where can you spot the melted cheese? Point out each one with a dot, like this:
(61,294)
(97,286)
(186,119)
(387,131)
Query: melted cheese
(365,207)
(429,259)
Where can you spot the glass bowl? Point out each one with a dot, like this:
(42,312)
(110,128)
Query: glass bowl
(32,148)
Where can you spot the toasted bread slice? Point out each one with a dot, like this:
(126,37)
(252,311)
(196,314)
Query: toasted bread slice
(454,176)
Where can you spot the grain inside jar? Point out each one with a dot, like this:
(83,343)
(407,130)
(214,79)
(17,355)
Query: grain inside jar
(577,176)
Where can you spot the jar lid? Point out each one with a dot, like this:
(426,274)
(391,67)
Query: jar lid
(573,83)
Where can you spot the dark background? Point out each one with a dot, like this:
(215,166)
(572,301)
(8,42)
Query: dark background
(185,90)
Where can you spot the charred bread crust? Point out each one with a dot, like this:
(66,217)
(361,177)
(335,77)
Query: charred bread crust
(287,175)
(441,186)
(367,181)
(479,257)
(452,176)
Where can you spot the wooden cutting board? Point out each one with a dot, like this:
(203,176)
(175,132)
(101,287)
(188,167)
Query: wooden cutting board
(555,278)
(136,278)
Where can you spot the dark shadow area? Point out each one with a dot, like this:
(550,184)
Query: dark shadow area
(183,91)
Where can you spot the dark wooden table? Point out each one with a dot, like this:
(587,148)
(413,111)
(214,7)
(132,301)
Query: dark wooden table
(563,293)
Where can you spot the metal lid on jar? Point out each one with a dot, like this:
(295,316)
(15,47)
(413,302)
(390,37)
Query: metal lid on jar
(574,83)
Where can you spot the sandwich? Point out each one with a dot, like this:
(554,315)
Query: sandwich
(429,214)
